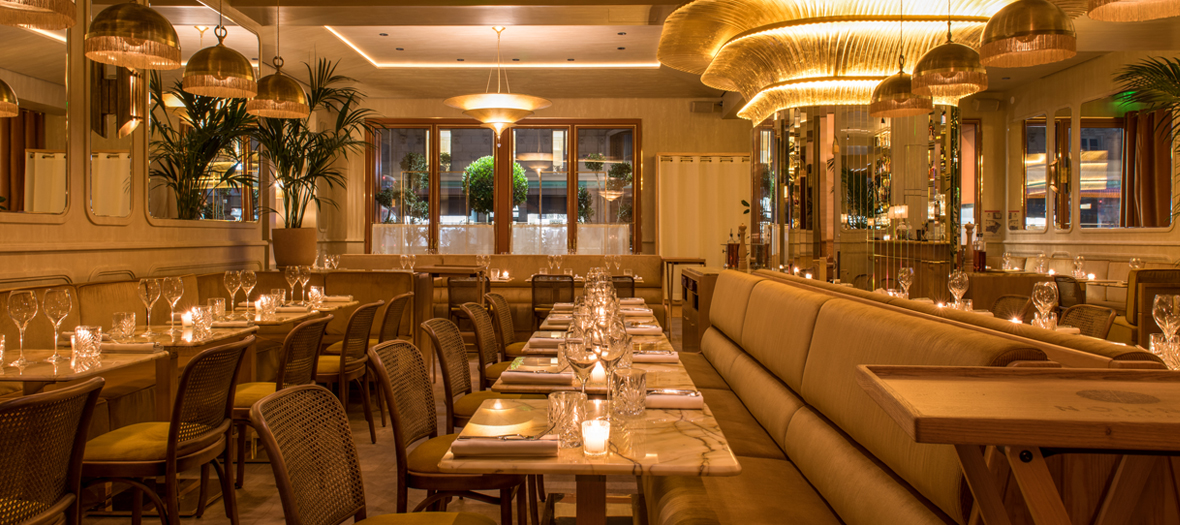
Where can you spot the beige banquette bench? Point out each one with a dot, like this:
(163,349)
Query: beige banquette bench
(518,292)
(1117,270)
(777,368)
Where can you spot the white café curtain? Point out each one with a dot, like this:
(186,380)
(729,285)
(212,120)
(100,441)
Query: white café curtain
(110,184)
(700,202)
(45,181)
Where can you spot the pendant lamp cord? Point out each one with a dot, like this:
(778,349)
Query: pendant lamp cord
(278,60)
(901,38)
(220,30)
(948,21)
(499,68)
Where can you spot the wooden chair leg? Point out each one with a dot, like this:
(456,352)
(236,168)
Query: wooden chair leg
(531,481)
(541,487)
(343,393)
(381,404)
(202,491)
(241,477)
(506,506)
(171,513)
(522,513)
(227,488)
(368,407)
(136,506)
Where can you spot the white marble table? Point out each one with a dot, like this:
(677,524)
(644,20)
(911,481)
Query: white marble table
(659,443)
(659,375)
(39,374)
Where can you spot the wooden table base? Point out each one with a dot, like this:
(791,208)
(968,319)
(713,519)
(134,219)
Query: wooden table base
(591,503)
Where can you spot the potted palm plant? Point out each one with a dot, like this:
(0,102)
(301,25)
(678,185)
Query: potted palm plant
(304,159)
(187,142)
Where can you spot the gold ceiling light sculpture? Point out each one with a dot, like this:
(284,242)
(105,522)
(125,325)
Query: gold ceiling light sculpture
(951,70)
(49,15)
(133,36)
(1028,33)
(894,97)
(1131,10)
(781,54)
(498,111)
(9,105)
(219,71)
(279,96)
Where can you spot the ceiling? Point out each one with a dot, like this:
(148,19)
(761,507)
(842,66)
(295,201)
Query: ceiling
(33,54)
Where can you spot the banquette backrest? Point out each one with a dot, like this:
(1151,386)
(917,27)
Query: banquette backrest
(790,354)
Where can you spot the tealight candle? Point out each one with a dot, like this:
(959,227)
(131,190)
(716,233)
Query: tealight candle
(940,305)
(1016,320)
(598,375)
(1052,272)
(807,275)
(595,436)
(186,319)
(1090,277)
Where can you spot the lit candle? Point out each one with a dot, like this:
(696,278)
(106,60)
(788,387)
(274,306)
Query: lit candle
(595,436)
(939,305)
(186,319)
(1051,272)
(1016,320)
(1090,277)
(506,274)
(598,375)
(807,275)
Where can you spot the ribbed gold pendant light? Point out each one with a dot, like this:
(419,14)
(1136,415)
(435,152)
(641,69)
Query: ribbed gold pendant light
(950,71)
(279,96)
(9,105)
(219,71)
(894,97)
(132,36)
(1132,10)
(50,15)
(1028,33)
(498,111)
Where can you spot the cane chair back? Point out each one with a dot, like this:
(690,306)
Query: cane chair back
(356,336)
(1145,294)
(624,286)
(464,290)
(1008,307)
(452,355)
(42,439)
(551,289)
(204,398)
(401,372)
(391,323)
(485,334)
(300,353)
(1069,292)
(313,455)
(1092,320)
(502,314)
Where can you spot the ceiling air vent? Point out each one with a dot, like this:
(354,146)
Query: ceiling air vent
(705,106)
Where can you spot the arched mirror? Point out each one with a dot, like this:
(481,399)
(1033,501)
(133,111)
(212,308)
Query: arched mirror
(1126,166)
(1028,205)
(33,134)
(1061,171)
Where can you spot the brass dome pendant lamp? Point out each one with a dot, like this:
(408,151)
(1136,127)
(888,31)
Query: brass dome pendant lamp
(1028,33)
(1131,10)
(279,96)
(894,97)
(498,111)
(49,15)
(9,105)
(132,36)
(219,71)
(949,71)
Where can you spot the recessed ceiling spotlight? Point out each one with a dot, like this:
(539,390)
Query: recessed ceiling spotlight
(622,33)
(516,60)
(459,59)
(1006,78)
(622,48)
(382,34)
(401,49)
(570,59)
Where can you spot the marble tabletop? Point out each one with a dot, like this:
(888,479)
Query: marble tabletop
(658,443)
(184,339)
(39,371)
(641,342)
(659,375)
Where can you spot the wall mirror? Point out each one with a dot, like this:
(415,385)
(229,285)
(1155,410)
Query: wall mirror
(1031,205)
(1061,173)
(33,134)
(116,112)
(223,186)
(1126,166)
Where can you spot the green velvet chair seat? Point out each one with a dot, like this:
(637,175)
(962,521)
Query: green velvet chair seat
(515,349)
(138,442)
(330,364)
(425,457)
(335,348)
(492,372)
(249,393)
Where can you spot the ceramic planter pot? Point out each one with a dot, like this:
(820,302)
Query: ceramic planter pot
(294,246)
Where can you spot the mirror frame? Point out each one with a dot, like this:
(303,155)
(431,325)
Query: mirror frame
(1023,217)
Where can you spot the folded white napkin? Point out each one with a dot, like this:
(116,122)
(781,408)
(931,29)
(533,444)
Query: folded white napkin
(1069,329)
(563,307)
(231,324)
(337,298)
(546,339)
(128,347)
(655,358)
(291,309)
(674,401)
(926,300)
(560,319)
(636,312)
(531,350)
(545,446)
(983,312)
(537,378)
(631,301)
(644,330)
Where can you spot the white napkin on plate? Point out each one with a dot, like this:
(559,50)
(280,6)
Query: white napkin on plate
(644,330)
(632,301)
(675,401)
(560,319)
(655,358)
(291,309)
(545,340)
(537,378)
(531,350)
(1068,330)
(543,447)
(128,347)
(563,307)
(337,298)
(231,324)
(636,312)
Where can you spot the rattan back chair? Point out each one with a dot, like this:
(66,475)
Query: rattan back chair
(624,285)
(502,314)
(351,364)
(1009,307)
(487,347)
(197,433)
(298,361)
(1092,320)
(42,439)
(452,358)
(391,322)
(549,290)
(401,371)
(463,290)
(314,459)
(1069,291)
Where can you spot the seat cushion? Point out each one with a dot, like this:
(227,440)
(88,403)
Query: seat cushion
(330,364)
(429,518)
(515,349)
(767,491)
(468,404)
(338,346)
(702,373)
(492,372)
(138,442)
(249,393)
(746,437)
(425,457)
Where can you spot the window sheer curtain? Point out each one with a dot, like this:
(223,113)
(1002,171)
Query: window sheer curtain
(24,131)
(1147,169)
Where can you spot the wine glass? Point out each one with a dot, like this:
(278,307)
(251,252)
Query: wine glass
(22,307)
(1136,263)
(1045,297)
(58,303)
(291,274)
(581,358)
(1166,311)
(958,285)
(557,259)
(248,280)
(405,260)
(905,278)
(304,277)
(233,283)
(173,289)
(413,261)
(149,293)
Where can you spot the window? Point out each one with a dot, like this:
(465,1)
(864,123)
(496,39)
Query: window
(467,190)
(606,190)
(1102,174)
(402,191)
(540,182)
(1035,149)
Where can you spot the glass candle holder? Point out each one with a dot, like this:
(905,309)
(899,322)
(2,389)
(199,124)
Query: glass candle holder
(567,410)
(629,391)
(217,306)
(122,326)
(595,437)
(316,295)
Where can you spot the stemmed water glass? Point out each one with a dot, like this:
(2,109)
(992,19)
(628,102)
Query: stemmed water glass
(581,358)
(22,307)
(304,277)
(233,283)
(557,259)
(1044,298)
(958,284)
(291,274)
(1166,311)
(248,281)
(149,293)
(905,278)
(58,303)
(173,289)
(405,260)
